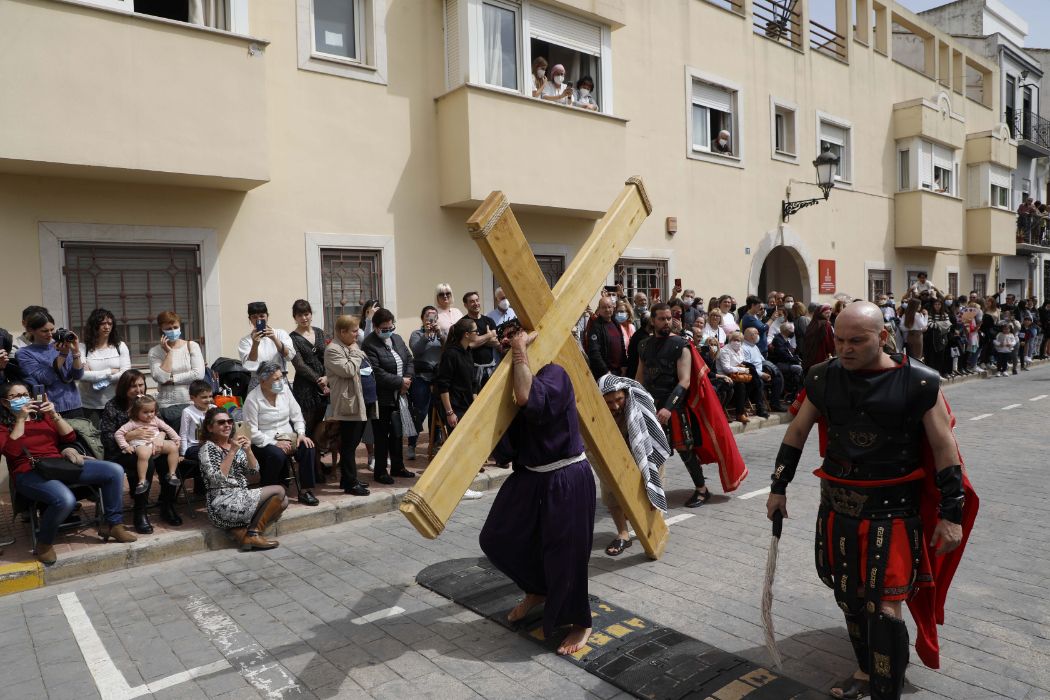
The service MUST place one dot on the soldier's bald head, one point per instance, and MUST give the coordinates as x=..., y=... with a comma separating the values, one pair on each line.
x=860, y=315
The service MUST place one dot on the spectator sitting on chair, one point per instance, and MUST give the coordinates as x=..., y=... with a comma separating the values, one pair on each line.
x=263, y=344
x=752, y=318
x=391, y=363
x=174, y=363
x=353, y=398
x=731, y=362
x=50, y=435
x=201, y=400
x=279, y=432
x=54, y=366
x=130, y=386
x=725, y=386
x=106, y=357
x=764, y=373
x=784, y=355
x=225, y=463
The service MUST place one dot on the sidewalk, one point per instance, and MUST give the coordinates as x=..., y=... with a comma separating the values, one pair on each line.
x=81, y=553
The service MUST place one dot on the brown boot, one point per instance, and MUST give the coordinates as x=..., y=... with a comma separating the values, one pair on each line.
x=45, y=554
x=743, y=418
x=253, y=540
x=238, y=534
x=271, y=512
x=116, y=531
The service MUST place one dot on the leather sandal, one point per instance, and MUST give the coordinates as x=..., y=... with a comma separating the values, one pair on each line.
x=617, y=546
x=851, y=689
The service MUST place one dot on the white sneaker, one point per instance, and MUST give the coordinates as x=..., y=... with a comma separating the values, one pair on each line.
x=1002, y=374
x=472, y=495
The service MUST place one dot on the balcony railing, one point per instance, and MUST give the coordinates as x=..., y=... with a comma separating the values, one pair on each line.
x=827, y=41
x=1029, y=126
x=1033, y=230
x=778, y=20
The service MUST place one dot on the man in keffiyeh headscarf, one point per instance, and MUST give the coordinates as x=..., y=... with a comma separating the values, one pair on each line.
x=635, y=413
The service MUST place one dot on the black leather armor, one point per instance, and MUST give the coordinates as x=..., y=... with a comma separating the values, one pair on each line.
x=661, y=356
x=874, y=419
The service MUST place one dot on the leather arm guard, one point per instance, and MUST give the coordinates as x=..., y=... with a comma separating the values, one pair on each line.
x=677, y=398
x=784, y=468
x=950, y=484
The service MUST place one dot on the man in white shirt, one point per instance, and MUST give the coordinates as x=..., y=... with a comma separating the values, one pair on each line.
x=263, y=344
x=765, y=372
x=503, y=311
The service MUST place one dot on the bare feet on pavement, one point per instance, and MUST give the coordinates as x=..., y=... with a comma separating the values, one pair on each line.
x=522, y=609
x=574, y=640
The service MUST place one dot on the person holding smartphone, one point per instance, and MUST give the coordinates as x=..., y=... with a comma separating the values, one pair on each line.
x=263, y=344
x=174, y=362
x=53, y=360
x=425, y=343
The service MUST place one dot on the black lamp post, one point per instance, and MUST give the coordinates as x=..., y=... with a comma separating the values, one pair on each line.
x=826, y=164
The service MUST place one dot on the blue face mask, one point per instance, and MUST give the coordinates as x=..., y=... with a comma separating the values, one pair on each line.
x=278, y=387
x=18, y=404
x=385, y=334
x=173, y=334
x=621, y=317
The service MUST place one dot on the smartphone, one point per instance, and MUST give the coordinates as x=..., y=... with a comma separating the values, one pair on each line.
x=260, y=325
x=242, y=428
x=654, y=293
x=611, y=288
x=678, y=281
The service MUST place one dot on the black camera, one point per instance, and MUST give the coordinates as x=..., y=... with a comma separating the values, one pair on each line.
x=63, y=335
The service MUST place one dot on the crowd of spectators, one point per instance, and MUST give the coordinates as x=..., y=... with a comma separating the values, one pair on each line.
x=373, y=387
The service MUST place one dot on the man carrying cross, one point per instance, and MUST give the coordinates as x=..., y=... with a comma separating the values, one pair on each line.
x=540, y=528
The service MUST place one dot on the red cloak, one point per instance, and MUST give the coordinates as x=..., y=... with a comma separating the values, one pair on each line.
x=927, y=603
x=718, y=444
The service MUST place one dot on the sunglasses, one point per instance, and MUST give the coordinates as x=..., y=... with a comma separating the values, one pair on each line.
x=222, y=421
x=444, y=294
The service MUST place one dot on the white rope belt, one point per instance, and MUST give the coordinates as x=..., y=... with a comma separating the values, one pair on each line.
x=560, y=464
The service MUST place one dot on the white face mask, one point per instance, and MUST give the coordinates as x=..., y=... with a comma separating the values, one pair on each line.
x=722, y=142
x=585, y=92
x=277, y=387
x=503, y=304
x=687, y=300
x=559, y=79
x=735, y=344
x=540, y=72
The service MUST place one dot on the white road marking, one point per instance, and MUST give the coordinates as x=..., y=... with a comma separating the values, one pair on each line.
x=378, y=615
x=1011, y=407
x=1038, y=398
x=981, y=417
x=109, y=681
x=752, y=494
x=256, y=664
x=679, y=518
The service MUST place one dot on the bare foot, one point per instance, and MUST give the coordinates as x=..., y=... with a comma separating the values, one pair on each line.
x=574, y=640
x=522, y=609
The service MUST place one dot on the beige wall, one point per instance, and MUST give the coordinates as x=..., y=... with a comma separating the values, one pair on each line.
x=351, y=157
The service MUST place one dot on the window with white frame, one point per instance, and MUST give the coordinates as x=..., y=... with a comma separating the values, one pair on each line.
x=999, y=187
x=837, y=137
x=349, y=278
x=904, y=169
x=784, y=135
x=217, y=14
x=345, y=38
x=944, y=169
x=499, y=21
x=926, y=165
x=641, y=275
x=714, y=111
x=566, y=40
x=337, y=29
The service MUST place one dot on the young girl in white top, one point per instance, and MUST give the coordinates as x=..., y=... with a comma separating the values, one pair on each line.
x=1005, y=343
x=143, y=414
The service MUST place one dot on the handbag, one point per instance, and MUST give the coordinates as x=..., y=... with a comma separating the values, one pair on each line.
x=740, y=377
x=55, y=468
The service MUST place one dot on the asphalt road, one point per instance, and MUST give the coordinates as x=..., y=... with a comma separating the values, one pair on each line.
x=336, y=613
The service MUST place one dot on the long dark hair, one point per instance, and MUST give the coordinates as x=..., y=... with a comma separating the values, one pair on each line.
x=120, y=399
x=209, y=421
x=457, y=331
x=6, y=417
x=909, y=313
x=91, y=329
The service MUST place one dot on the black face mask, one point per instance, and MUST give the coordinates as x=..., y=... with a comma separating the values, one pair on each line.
x=664, y=332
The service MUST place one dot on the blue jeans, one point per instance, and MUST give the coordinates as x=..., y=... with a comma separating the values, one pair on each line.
x=419, y=399
x=60, y=500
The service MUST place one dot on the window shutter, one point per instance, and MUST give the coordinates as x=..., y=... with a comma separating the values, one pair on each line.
x=943, y=158
x=712, y=96
x=571, y=32
x=453, y=71
x=1000, y=177
x=926, y=163
x=832, y=133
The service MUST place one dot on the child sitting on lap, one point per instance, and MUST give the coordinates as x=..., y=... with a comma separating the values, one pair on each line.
x=143, y=414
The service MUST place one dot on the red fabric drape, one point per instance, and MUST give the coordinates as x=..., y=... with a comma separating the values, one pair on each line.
x=718, y=444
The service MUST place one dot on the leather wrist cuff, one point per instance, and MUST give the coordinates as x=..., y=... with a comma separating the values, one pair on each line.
x=676, y=399
x=950, y=483
x=784, y=468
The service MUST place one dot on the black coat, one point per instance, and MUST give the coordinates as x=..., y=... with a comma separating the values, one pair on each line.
x=388, y=381
x=597, y=343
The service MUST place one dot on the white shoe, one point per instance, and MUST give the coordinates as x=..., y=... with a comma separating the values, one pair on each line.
x=472, y=495
x=1002, y=374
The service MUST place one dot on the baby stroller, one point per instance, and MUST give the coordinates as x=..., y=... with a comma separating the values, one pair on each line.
x=231, y=373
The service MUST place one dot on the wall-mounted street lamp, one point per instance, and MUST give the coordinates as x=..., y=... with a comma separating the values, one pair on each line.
x=826, y=165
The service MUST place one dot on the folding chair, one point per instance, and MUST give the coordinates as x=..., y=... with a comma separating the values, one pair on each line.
x=187, y=469
x=81, y=492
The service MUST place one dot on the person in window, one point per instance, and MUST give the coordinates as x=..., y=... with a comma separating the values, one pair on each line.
x=722, y=144
x=555, y=89
x=391, y=363
x=263, y=344
x=49, y=435
x=174, y=363
x=310, y=387
x=279, y=432
x=539, y=76
x=106, y=357
x=583, y=96
x=52, y=368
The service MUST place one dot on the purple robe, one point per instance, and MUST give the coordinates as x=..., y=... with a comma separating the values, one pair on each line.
x=540, y=528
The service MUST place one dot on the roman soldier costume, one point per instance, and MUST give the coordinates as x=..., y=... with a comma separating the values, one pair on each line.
x=880, y=501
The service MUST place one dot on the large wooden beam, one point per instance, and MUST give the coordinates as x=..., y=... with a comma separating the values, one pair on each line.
x=435, y=496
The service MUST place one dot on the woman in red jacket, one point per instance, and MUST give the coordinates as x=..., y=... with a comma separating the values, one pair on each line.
x=28, y=427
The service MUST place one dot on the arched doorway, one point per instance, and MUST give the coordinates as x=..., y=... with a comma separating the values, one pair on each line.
x=782, y=271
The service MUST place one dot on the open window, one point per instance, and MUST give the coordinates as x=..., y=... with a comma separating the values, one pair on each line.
x=714, y=111
x=206, y=13
x=837, y=136
x=569, y=41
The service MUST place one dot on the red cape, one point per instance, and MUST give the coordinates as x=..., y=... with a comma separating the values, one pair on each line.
x=718, y=444
x=927, y=604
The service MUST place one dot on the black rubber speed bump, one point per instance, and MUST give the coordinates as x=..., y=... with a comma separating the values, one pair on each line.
x=629, y=651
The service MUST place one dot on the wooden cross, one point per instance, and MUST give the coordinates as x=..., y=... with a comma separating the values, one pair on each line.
x=429, y=504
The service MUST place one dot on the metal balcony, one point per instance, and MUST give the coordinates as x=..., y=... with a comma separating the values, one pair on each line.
x=1031, y=131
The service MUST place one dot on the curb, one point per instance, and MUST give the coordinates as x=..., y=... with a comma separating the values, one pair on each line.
x=151, y=549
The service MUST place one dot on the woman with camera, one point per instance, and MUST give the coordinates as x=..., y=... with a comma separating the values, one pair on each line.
x=51, y=364
x=34, y=430
x=174, y=362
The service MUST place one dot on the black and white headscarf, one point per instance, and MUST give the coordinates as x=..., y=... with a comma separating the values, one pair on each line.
x=645, y=435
